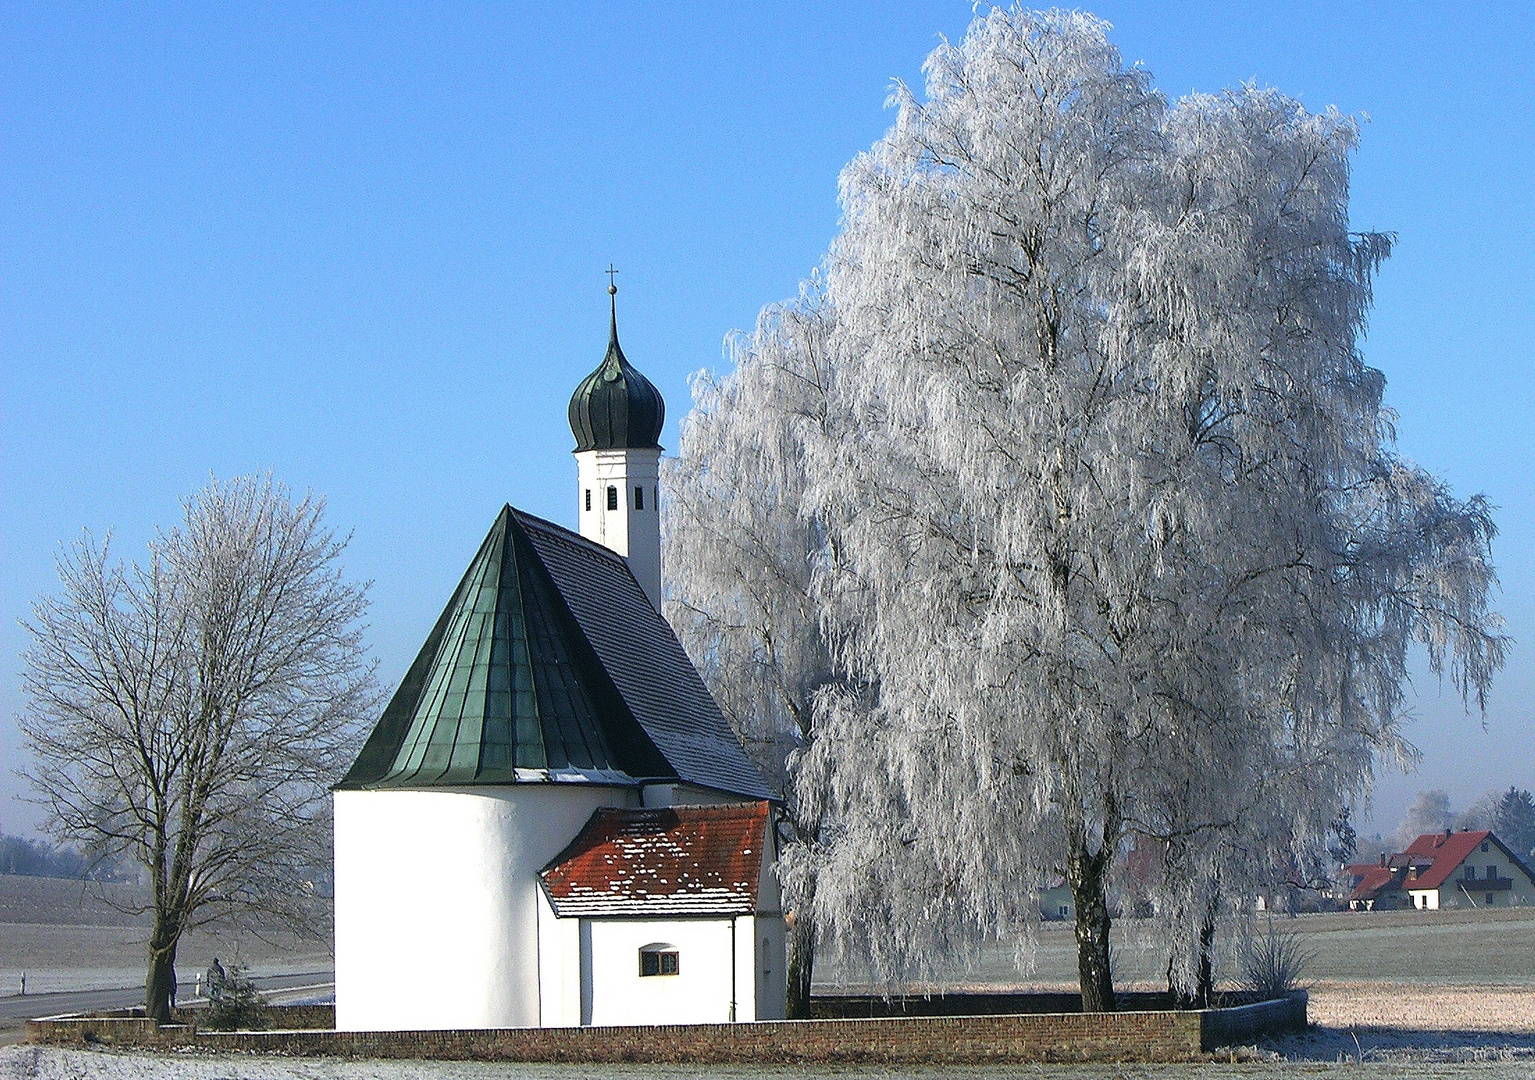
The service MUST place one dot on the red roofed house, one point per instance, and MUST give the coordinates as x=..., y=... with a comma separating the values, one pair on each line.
x=668, y=915
x=1470, y=869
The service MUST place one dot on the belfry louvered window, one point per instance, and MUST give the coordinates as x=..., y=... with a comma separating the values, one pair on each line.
x=612, y=498
x=639, y=498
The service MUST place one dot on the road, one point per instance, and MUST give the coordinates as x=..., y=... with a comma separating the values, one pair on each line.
x=15, y=1009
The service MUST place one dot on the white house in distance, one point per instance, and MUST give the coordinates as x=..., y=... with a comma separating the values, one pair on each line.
x=1469, y=869
x=552, y=823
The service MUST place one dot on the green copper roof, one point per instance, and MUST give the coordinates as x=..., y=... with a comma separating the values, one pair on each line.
x=506, y=689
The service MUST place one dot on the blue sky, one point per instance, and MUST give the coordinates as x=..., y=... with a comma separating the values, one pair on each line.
x=361, y=246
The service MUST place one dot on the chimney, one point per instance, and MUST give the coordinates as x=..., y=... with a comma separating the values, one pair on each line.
x=1383, y=858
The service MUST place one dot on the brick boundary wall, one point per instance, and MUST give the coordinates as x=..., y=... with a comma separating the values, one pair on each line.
x=928, y=1040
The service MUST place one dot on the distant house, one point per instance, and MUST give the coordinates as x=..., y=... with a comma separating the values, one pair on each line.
x=1470, y=869
x=1056, y=902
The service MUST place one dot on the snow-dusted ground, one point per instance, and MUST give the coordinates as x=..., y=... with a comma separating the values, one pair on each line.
x=65, y=958
x=34, y=1063
x=73, y=935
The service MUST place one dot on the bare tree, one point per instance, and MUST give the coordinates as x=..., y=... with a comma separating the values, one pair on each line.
x=189, y=713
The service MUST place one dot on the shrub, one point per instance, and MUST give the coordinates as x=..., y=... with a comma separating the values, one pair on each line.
x=239, y=1006
x=1273, y=962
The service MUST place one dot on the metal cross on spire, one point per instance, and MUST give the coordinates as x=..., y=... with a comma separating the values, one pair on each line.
x=612, y=272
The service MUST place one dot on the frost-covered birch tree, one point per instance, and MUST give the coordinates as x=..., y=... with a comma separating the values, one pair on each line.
x=1121, y=536
x=189, y=713
x=741, y=557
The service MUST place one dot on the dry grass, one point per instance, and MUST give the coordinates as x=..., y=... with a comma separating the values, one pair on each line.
x=71, y=935
x=1418, y=1007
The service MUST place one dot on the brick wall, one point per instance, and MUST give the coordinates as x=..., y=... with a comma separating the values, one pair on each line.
x=909, y=1040
x=1246, y=1023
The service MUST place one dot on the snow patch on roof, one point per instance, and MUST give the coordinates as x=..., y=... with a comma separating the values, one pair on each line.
x=679, y=860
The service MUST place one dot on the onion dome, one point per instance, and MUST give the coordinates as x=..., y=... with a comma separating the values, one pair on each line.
x=615, y=407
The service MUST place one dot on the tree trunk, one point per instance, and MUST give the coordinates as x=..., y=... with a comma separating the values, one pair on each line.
x=1094, y=970
x=1088, y=876
x=1203, y=992
x=1205, y=987
x=801, y=967
x=160, y=986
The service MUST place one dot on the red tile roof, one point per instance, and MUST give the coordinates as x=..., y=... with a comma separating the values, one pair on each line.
x=1435, y=856
x=680, y=860
x=1446, y=853
x=1373, y=878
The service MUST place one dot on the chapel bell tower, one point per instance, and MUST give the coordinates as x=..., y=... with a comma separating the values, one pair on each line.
x=616, y=415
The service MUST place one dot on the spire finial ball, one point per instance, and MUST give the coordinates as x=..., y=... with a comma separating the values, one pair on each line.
x=612, y=290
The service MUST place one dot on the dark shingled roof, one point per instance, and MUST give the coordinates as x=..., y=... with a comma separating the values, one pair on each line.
x=615, y=407
x=550, y=664
x=680, y=860
x=642, y=655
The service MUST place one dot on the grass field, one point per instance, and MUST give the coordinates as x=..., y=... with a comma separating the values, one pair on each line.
x=67, y=935
x=1465, y=948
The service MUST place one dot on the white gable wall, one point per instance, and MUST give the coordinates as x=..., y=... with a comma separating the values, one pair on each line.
x=1520, y=893
x=616, y=993
x=589, y=968
x=437, y=900
x=728, y=970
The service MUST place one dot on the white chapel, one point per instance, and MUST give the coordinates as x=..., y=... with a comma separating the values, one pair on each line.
x=552, y=823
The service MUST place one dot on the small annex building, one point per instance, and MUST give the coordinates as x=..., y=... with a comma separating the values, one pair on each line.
x=641, y=909
x=552, y=822
x=1467, y=869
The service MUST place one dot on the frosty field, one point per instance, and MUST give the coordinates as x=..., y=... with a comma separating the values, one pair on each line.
x=1449, y=994
x=29, y=1063
x=1469, y=948
x=67, y=936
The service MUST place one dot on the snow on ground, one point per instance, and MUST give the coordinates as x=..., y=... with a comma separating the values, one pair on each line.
x=39, y=1063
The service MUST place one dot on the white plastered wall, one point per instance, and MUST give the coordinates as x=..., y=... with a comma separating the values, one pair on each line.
x=772, y=983
x=653, y=796
x=589, y=968
x=769, y=945
x=634, y=533
x=436, y=901
x=712, y=975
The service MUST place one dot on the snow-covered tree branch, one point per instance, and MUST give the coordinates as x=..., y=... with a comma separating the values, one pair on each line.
x=1122, y=543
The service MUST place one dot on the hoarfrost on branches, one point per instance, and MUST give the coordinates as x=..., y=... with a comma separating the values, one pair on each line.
x=190, y=713
x=741, y=560
x=1123, y=547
